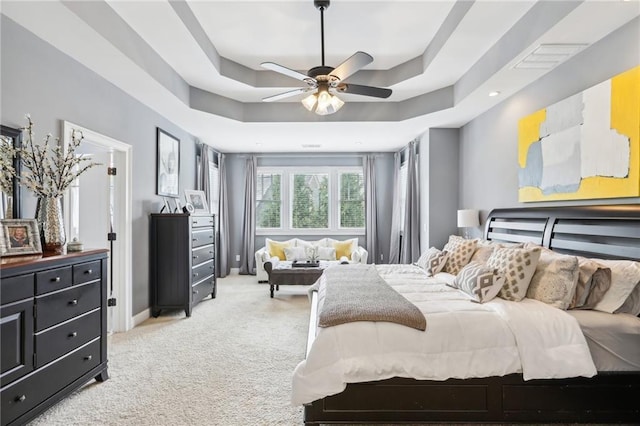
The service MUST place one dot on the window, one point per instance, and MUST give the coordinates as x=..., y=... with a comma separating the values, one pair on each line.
x=351, y=200
x=403, y=193
x=214, y=187
x=310, y=200
x=268, y=200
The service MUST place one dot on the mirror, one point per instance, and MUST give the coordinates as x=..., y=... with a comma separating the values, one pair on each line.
x=11, y=207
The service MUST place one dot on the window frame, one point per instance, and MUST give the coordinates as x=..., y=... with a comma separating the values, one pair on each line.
x=286, y=211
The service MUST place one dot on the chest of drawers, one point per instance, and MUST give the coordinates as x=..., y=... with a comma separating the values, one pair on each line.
x=182, y=256
x=53, y=321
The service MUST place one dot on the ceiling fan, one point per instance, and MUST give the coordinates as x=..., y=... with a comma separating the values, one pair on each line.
x=327, y=80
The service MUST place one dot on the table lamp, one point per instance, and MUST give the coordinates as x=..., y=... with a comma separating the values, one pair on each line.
x=468, y=218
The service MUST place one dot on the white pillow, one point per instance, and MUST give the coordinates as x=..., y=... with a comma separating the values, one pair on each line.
x=326, y=253
x=625, y=276
x=479, y=282
x=295, y=253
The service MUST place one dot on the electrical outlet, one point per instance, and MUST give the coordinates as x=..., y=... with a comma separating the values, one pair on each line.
x=237, y=258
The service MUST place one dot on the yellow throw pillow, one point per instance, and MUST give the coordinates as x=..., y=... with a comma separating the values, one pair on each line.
x=276, y=248
x=343, y=248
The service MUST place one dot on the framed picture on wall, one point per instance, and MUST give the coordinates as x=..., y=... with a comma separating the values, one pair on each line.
x=198, y=200
x=167, y=164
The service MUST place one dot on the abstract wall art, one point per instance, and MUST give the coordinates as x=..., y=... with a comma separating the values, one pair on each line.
x=584, y=147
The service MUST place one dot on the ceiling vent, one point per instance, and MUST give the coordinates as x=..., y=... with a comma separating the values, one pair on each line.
x=547, y=56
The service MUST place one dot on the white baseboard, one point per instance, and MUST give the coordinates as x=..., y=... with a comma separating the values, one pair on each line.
x=234, y=271
x=141, y=317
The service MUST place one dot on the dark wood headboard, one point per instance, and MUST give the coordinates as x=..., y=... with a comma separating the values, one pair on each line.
x=611, y=232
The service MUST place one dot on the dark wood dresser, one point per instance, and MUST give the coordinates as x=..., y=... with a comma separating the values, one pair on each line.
x=182, y=259
x=53, y=319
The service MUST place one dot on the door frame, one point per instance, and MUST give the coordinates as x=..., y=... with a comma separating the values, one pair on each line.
x=123, y=317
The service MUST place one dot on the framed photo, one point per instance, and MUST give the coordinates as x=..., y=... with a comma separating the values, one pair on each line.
x=19, y=236
x=198, y=200
x=167, y=164
x=178, y=206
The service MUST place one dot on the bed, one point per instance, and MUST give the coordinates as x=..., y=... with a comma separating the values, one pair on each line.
x=606, y=232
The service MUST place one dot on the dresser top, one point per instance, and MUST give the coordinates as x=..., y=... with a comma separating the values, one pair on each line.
x=43, y=260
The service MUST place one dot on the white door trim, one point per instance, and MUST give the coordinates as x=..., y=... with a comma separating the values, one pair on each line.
x=123, y=318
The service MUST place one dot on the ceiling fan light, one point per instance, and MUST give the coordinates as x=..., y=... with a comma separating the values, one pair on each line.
x=328, y=103
x=310, y=102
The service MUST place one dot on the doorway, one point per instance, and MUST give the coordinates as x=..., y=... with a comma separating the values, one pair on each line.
x=99, y=204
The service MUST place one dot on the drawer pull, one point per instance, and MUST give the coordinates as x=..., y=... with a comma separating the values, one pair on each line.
x=55, y=280
x=194, y=239
x=21, y=398
x=88, y=357
x=74, y=334
x=195, y=292
x=211, y=252
x=195, y=274
x=73, y=302
x=210, y=236
x=88, y=271
x=195, y=257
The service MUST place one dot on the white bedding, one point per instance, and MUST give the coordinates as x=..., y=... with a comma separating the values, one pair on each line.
x=463, y=339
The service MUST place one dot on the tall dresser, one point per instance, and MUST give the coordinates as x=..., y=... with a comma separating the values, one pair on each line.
x=53, y=320
x=182, y=256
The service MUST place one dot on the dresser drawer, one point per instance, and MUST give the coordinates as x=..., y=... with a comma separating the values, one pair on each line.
x=53, y=280
x=201, y=289
x=202, y=254
x=21, y=396
x=16, y=340
x=201, y=237
x=60, y=306
x=200, y=221
x=65, y=337
x=16, y=288
x=85, y=272
x=201, y=271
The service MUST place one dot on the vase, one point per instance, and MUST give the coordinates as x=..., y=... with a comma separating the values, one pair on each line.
x=8, y=201
x=51, y=224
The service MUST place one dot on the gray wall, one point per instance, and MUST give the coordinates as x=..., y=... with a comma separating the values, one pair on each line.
x=489, y=143
x=52, y=87
x=236, y=177
x=439, y=152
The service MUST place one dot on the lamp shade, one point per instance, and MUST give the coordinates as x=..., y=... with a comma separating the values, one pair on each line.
x=468, y=218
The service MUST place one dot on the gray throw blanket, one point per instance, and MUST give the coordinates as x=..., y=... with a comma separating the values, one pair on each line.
x=358, y=293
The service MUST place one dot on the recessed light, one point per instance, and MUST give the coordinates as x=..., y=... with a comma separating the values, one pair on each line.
x=358, y=143
x=494, y=93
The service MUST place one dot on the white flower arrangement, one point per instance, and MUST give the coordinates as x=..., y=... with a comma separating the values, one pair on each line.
x=7, y=154
x=48, y=172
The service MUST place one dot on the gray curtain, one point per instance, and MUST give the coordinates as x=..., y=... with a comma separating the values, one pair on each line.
x=224, y=267
x=247, y=254
x=410, y=250
x=371, y=207
x=394, y=249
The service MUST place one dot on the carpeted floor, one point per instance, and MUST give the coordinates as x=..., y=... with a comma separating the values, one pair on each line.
x=229, y=364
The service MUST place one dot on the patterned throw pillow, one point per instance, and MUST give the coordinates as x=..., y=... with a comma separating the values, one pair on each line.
x=460, y=251
x=326, y=253
x=594, y=280
x=479, y=282
x=432, y=260
x=555, y=279
x=518, y=266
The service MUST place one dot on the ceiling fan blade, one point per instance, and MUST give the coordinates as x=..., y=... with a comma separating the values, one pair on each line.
x=349, y=67
x=288, y=72
x=287, y=94
x=357, y=89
